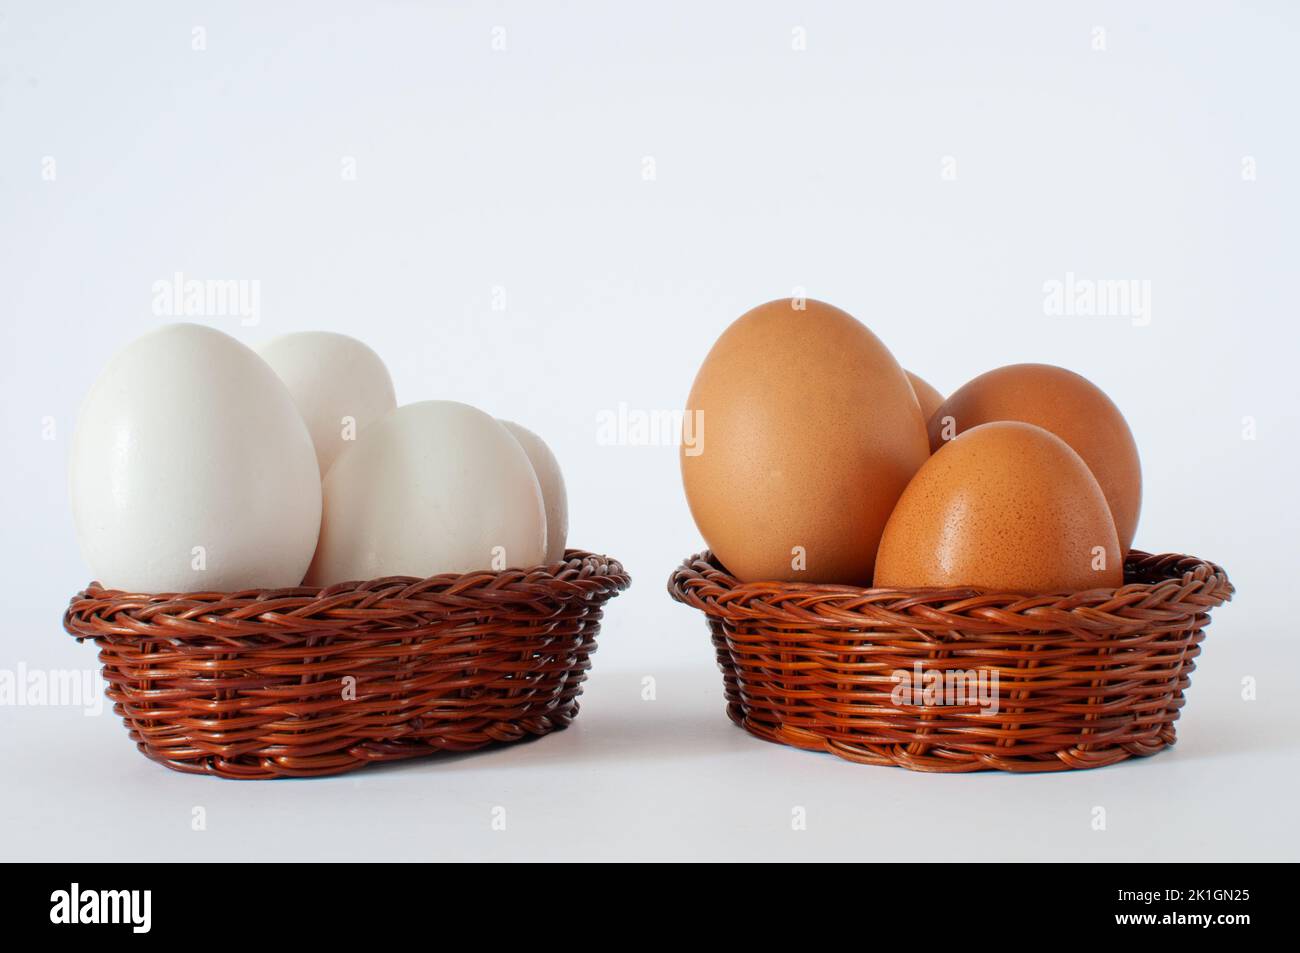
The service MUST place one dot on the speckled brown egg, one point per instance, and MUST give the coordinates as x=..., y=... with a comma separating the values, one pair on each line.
x=809, y=434
x=1070, y=406
x=926, y=395
x=1005, y=506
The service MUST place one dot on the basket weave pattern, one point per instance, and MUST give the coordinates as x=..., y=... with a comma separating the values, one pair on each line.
x=304, y=681
x=1084, y=680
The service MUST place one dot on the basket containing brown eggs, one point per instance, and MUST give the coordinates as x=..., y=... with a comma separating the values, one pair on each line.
x=300, y=578
x=938, y=584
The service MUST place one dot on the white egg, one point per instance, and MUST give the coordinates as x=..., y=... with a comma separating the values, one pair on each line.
x=551, y=480
x=340, y=386
x=434, y=487
x=192, y=470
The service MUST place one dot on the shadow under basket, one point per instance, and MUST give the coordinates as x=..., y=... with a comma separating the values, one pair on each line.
x=306, y=682
x=959, y=679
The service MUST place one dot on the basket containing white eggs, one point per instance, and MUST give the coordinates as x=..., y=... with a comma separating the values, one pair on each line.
x=297, y=577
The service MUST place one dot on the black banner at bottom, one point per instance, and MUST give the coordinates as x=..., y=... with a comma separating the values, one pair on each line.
x=333, y=901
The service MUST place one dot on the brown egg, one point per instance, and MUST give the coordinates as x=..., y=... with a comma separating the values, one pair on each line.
x=810, y=433
x=929, y=398
x=1005, y=506
x=1068, y=405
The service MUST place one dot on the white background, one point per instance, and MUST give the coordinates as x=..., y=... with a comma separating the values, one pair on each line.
x=775, y=169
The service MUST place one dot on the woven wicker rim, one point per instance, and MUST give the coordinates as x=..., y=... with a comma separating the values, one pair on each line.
x=291, y=613
x=952, y=614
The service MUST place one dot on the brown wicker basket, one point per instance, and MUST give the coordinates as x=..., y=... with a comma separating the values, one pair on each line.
x=1082, y=680
x=307, y=682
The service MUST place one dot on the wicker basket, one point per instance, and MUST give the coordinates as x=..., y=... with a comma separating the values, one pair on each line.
x=1080, y=681
x=307, y=682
